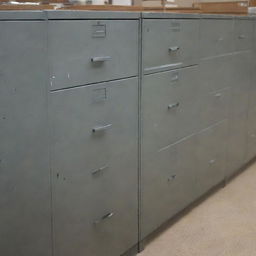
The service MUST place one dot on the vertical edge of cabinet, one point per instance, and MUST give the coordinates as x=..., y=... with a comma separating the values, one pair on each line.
x=25, y=168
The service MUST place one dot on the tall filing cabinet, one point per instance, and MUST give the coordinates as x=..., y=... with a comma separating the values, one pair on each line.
x=111, y=123
x=170, y=116
x=25, y=216
x=93, y=65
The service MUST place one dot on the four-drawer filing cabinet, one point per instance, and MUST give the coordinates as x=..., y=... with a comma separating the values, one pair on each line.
x=93, y=108
x=112, y=123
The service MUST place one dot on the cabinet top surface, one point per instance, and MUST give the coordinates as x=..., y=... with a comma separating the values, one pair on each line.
x=81, y=14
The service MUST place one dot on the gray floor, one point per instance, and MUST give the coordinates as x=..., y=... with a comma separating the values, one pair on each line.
x=223, y=225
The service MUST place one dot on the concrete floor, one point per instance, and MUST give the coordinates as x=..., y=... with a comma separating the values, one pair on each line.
x=223, y=225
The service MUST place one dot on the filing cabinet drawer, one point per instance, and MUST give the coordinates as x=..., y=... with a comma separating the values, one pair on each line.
x=170, y=102
x=94, y=124
x=168, y=183
x=169, y=44
x=93, y=210
x=94, y=149
x=243, y=34
x=216, y=73
x=90, y=51
x=215, y=107
x=216, y=37
x=211, y=152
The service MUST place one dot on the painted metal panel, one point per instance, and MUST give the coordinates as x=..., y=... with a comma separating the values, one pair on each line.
x=216, y=73
x=25, y=217
x=169, y=43
x=216, y=37
x=91, y=51
x=211, y=153
x=95, y=172
x=243, y=35
x=215, y=107
x=170, y=107
x=237, y=143
x=251, y=136
x=238, y=128
x=168, y=183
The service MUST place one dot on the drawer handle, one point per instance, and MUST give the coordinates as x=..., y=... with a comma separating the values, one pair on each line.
x=175, y=78
x=101, y=128
x=218, y=95
x=241, y=36
x=105, y=217
x=175, y=105
x=220, y=39
x=213, y=161
x=253, y=135
x=174, y=49
x=100, y=59
x=172, y=178
x=99, y=170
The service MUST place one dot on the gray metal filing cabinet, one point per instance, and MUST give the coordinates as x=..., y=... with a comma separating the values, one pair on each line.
x=194, y=109
x=94, y=132
x=25, y=215
x=111, y=123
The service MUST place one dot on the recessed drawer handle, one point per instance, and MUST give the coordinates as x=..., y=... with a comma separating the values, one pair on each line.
x=220, y=39
x=105, y=217
x=213, y=161
x=101, y=128
x=174, y=49
x=218, y=95
x=101, y=59
x=175, y=105
x=241, y=36
x=175, y=78
x=99, y=170
x=172, y=178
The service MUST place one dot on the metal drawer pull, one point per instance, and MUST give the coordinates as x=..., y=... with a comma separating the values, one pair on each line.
x=174, y=49
x=175, y=78
x=218, y=95
x=175, y=105
x=212, y=161
x=99, y=170
x=100, y=59
x=101, y=128
x=172, y=178
x=241, y=36
x=105, y=217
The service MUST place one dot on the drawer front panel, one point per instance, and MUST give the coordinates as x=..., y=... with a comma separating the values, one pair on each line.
x=169, y=107
x=90, y=51
x=215, y=107
x=94, y=136
x=216, y=73
x=243, y=35
x=211, y=155
x=216, y=37
x=168, y=183
x=168, y=44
